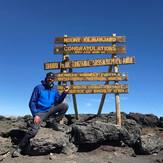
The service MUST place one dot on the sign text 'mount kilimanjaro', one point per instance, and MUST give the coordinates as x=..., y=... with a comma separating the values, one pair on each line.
x=89, y=49
x=89, y=63
x=91, y=89
x=91, y=39
x=91, y=76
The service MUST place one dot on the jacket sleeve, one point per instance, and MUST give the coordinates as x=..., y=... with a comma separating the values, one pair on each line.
x=60, y=97
x=33, y=101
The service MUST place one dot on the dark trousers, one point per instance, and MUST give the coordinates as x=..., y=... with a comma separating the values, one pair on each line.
x=58, y=111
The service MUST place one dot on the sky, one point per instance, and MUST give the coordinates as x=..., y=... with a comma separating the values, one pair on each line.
x=27, y=32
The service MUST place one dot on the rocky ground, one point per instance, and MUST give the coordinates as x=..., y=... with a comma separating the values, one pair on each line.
x=91, y=139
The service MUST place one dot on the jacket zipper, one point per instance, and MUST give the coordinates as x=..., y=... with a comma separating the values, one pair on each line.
x=49, y=94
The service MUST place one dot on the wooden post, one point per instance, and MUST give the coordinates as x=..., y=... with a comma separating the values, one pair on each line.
x=66, y=57
x=117, y=102
x=74, y=100
x=117, y=97
x=118, y=113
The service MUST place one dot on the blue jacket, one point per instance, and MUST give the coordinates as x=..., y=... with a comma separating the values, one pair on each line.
x=43, y=98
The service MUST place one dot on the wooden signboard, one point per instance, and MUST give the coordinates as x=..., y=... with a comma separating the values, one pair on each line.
x=91, y=39
x=89, y=63
x=91, y=76
x=73, y=45
x=89, y=49
x=93, y=89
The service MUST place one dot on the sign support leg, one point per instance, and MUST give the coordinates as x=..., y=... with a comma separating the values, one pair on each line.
x=103, y=96
x=118, y=113
x=74, y=100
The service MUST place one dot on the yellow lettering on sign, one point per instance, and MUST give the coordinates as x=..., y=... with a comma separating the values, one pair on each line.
x=88, y=49
x=99, y=39
x=88, y=63
x=90, y=39
x=73, y=39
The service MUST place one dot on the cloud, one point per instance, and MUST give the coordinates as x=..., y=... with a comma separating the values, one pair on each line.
x=88, y=104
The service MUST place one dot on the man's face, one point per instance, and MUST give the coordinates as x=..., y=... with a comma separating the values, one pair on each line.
x=50, y=80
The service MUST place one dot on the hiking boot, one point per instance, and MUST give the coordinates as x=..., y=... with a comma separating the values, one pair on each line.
x=58, y=127
x=16, y=153
x=43, y=124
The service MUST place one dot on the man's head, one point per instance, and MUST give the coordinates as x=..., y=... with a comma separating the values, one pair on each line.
x=49, y=79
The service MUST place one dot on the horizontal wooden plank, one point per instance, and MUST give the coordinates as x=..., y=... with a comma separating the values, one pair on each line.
x=90, y=39
x=91, y=89
x=97, y=86
x=89, y=49
x=98, y=91
x=89, y=63
x=91, y=76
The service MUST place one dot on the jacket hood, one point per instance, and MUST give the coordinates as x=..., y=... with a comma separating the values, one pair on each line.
x=46, y=85
x=43, y=82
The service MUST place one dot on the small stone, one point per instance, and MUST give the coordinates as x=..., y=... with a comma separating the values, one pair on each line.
x=158, y=161
x=115, y=153
x=52, y=156
x=1, y=158
x=16, y=153
x=133, y=155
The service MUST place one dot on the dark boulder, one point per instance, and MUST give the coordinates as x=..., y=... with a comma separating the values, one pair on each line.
x=134, y=132
x=149, y=120
x=161, y=122
x=89, y=135
x=150, y=143
x=49, y=141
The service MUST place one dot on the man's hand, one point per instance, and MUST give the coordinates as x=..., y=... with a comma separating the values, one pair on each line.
x=37, y=120
x=66, y=88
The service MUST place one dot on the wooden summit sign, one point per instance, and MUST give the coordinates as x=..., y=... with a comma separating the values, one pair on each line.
x=89, y=49
x=113, y=75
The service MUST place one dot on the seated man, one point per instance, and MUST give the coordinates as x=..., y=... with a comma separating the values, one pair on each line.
x=45, y=101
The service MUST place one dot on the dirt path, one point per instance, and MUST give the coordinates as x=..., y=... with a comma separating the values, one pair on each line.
x=98, y=156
